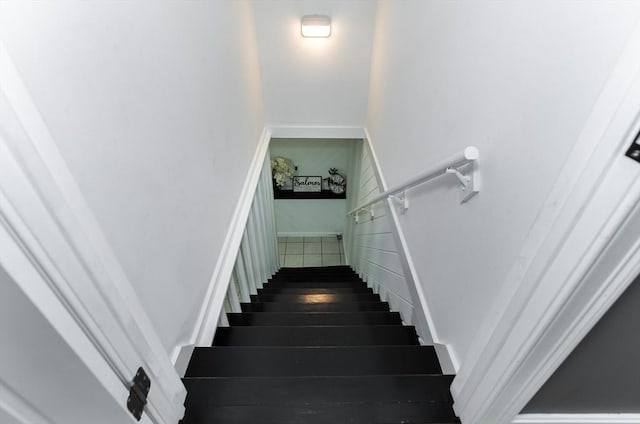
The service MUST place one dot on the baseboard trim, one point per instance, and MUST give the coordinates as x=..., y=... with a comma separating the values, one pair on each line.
x=577, y=419
x=307, y=234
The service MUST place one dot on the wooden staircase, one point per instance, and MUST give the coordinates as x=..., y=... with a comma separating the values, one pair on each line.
x=316, y=345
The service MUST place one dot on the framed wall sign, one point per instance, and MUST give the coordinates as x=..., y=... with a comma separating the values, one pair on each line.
x=307, y=184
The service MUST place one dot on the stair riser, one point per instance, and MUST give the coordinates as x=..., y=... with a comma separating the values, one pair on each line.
x=321, y=318
x=322, y=307
x=292, y=390
x=315, y=336
x=316, y=285
x=316, y=298
x=312, y=361
x=298, y=290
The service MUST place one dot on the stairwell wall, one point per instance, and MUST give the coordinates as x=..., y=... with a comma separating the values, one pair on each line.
x=156, y=107
x=372, y=250
x=518, y=80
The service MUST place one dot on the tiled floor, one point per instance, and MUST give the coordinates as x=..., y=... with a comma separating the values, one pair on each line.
x=310, y=251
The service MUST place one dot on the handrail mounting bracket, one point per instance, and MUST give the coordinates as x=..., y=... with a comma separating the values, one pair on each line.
x=469, y=183
x=401, y=200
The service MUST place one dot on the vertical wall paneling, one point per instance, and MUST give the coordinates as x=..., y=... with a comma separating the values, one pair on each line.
x=247, y=263
x=371, y=246
x=243, y=281
x=270, y=209
x=232, y=294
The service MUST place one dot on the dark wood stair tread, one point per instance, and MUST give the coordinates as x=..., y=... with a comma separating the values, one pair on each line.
x=314, y=318
x=228, y=361
x=317, y=307
x=316, y=336
x=287, y=391
x=314, y=298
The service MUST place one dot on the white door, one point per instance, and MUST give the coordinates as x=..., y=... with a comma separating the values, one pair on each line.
x=72, y=330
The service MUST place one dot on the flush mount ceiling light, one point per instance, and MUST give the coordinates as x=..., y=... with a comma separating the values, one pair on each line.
x=314, y=26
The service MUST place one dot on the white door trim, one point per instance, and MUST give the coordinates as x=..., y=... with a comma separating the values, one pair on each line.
x=49, y=220
x=311, y=131
x=574, y=264
x=577, y=419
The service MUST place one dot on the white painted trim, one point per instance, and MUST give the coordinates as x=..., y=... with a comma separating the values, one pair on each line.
x=214, y=298
x=577, y=419
x=551, y=299
x=302, y=131
x=307, y=234
x=49, y=219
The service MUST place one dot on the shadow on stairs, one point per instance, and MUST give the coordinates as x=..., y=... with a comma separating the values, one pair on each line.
x=316, y=345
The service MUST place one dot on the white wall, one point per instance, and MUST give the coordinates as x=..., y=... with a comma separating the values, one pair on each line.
x=315, y=81
x=313, y=157
x=156, y=107
x=516, y=79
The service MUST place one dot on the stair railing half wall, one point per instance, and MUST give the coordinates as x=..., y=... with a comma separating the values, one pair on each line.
x=249, y=255
x=257, y=258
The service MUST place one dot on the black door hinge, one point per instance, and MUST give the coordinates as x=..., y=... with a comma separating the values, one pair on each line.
x=634, y=150
x=138, y=392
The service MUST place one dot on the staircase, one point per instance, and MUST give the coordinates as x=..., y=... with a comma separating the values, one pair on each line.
x=316, y=345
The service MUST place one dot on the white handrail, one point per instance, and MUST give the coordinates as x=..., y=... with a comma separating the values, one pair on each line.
x=447, y=166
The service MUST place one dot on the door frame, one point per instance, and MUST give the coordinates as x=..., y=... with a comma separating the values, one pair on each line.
x=578, y=258
x=53, y=230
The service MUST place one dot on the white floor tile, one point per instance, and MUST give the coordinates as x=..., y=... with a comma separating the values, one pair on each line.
x=293, y=260
x=312, y=248
x=312, y=260
x=295, y=248
x=328, y=260
x=331, y=248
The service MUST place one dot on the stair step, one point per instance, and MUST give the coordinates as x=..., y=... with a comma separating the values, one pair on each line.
x=315, y=277
x=288, y=391
x=316, y=298
x=318, y=307
x=316, y=336
x=311, y=290
x=315, y=284
x=339, y=412
x=319, y=269
x=312, y=361
x=314, y=318
x=311, y=400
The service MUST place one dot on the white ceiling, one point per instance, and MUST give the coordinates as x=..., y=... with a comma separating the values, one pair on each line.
x=316, y=82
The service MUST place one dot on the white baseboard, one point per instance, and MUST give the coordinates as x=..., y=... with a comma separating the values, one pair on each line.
x=447, y=359
x=182, y=358
x=308, y=234
x=577, y=419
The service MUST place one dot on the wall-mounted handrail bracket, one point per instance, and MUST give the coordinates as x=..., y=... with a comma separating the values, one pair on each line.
x=468, y=180
x=462, y=165
x=402, y=200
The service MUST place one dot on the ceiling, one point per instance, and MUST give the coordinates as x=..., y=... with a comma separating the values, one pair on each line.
x=315, y=82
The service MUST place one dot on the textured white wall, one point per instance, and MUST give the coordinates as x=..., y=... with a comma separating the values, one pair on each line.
x=315, y=81
x=156, y=107
x=516, y=79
